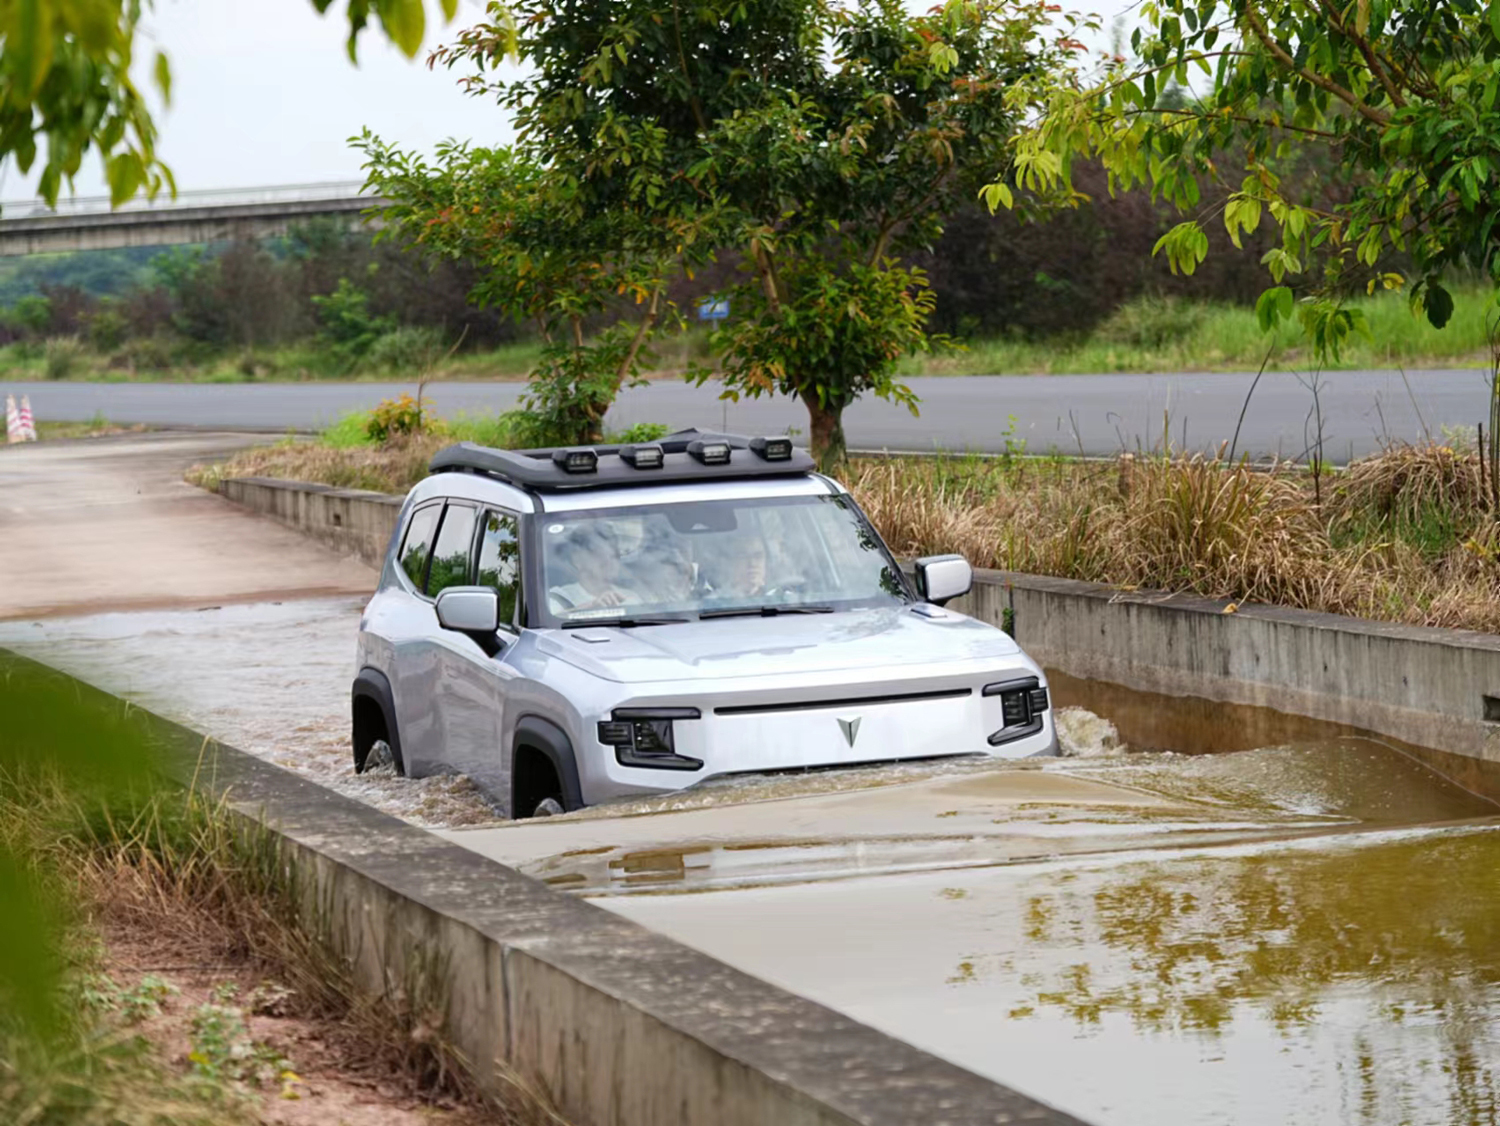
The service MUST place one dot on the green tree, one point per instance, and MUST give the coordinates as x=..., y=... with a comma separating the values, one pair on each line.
x=593, y=283
x=815, y=142
x=66, y=85
x=1403, y=90
x=834, y=179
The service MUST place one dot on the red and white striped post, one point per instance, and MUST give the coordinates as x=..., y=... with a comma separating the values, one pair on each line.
x=28, y=425
x=13, y=431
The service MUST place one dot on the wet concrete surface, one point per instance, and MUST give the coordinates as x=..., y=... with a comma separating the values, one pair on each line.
x=95, y=525
x=1307, y=933
x=269, y=678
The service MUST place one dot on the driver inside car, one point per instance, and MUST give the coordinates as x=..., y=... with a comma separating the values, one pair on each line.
x=595, y=563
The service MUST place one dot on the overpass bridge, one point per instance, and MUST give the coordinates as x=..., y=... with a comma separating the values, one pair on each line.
x=90, y=223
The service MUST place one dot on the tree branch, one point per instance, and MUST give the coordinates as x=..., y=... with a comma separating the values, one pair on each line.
x=647, y=323
x=693, y=101
x=766, y=268
x=1370, y=113
x=1336, y=20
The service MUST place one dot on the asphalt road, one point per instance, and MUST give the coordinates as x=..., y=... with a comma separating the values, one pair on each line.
x=1094, y=414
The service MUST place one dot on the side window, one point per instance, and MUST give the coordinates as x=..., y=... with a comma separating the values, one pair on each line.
x=450, y=556
x=500, y=561
x=418, y=543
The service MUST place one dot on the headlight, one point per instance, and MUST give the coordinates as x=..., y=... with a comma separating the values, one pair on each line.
x=1023, y=704
x=643, y=737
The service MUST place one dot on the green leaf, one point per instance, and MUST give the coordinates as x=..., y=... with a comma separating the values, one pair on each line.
x=163, y=75
x=1273, y=307
x=1439, y=305
x=1495, y=18
x=404, y=21
x=29, y=45
x=995, y=196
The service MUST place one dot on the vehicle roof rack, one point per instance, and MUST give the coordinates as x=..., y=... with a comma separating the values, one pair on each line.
x=683, y=459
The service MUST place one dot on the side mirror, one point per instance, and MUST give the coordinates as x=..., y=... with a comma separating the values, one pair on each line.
x=941, y=577
x=469, y=609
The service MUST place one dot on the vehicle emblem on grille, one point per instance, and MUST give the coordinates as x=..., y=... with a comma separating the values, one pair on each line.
x=850, y=728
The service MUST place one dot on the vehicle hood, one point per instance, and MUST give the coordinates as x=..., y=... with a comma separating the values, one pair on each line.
x=777, y=646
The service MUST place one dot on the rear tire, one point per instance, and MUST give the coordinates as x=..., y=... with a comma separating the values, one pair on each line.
x=548, y=807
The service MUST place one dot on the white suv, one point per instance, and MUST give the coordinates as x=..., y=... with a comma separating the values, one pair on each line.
x=572, y=626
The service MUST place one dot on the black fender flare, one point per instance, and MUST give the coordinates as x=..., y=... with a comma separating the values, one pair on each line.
x=545, y=736
x=372, y=684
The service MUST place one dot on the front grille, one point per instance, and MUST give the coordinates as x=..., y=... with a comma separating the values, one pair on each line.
x=843, y=702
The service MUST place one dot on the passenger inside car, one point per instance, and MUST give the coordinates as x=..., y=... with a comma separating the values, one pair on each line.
x=739, y=570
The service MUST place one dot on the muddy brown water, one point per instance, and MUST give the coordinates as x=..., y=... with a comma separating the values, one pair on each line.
x=1300, y=933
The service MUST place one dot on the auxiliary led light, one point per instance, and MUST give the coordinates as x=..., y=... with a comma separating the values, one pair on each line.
x=643, y=457
x=582, y=460
x=772, y=449
x=710, y=453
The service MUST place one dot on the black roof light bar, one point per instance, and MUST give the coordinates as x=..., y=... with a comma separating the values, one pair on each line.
x=688, y=455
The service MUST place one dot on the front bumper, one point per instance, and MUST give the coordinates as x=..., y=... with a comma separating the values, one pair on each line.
x=797, y=727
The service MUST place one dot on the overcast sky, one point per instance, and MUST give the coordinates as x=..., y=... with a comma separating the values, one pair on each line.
x=263, y=94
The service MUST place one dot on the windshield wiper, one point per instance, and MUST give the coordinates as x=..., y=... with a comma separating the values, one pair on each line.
x=584, y=623
x=765, y=611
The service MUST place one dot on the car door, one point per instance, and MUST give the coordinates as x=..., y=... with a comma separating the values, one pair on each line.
x=465, y=734
x=406, y=622
x=499, y=567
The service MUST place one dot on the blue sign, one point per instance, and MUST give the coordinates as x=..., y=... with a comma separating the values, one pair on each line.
x=713, y=308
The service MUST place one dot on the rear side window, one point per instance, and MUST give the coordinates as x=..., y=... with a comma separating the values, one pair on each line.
x=500, y=561
x=450, y=558
x=418, y=543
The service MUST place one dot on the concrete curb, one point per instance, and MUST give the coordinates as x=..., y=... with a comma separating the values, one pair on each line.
x=620, y=1025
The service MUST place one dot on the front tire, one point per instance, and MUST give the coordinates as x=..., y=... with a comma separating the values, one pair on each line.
x=548, y=807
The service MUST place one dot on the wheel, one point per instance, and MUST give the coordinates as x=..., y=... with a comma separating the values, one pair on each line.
x=548, y=807
x=380, y=757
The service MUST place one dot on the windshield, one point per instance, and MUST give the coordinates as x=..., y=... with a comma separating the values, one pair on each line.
x=669, y=561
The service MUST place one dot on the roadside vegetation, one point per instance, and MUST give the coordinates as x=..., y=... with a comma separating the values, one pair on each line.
x=1407, y=535
x=96, y=427
x=153, y=971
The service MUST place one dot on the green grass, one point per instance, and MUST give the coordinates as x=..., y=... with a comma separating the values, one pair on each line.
x=1154, y=335
x=1145, y=335
x=294, y=363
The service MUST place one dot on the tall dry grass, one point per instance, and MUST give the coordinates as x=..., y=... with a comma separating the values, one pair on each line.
x=1405, y=536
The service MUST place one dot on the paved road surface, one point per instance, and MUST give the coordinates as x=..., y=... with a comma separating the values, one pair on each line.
x=1099, y=414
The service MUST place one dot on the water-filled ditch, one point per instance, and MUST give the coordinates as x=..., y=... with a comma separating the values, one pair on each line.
x=1300, y=933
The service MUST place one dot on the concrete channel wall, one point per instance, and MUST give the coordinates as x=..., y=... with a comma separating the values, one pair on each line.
x=351, y=521
x=1244, y=670
x=1237, y=675
x=619, y=1026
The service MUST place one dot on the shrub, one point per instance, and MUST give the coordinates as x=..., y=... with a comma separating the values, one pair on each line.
x=63, y=356
x=106, y=329
x=394, y=418
x=406, y=350
x=145, y=354
x=640, y=432
x=1153, y=322
x=345, y=319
